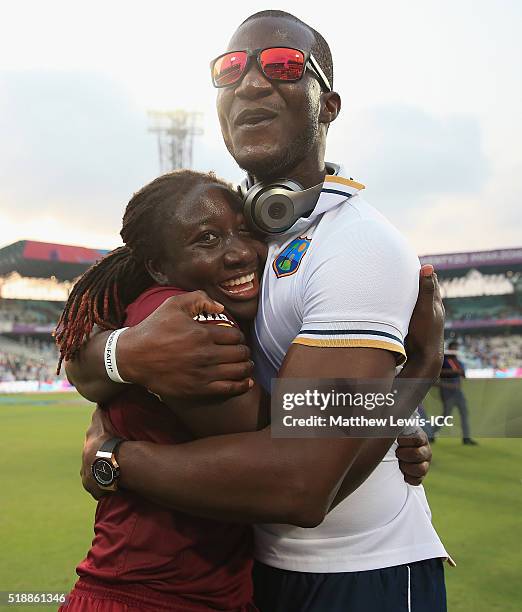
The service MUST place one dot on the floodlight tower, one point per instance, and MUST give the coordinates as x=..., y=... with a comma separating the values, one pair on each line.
x=175, y=131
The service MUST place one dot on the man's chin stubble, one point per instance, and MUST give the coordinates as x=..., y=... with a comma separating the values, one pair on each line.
x=281, y=163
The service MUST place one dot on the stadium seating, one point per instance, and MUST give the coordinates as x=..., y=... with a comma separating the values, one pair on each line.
x=497, y=352
x=474, y=283
x=482, y=294
x=38, y=312
x=28, y=358
x=484, y=307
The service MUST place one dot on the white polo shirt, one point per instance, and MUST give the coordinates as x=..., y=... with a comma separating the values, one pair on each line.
x=344, y=276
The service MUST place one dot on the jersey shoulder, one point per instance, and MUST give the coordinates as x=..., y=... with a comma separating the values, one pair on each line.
x=356, y=229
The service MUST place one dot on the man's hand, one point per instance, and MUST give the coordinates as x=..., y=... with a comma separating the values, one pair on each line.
x=414, y=454
x=425, y=339
x=174, y=356
x=99, y=431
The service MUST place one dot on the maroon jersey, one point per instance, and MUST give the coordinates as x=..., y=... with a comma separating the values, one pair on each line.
x=156, y=554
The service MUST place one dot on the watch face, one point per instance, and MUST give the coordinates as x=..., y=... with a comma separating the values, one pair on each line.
x=103, y=472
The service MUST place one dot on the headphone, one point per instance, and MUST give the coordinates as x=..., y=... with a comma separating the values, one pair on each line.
x=272, y=208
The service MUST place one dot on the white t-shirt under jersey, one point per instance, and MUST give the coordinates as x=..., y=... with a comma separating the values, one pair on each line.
x=344, y=276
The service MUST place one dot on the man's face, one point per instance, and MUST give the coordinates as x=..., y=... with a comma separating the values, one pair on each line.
x=270, y=126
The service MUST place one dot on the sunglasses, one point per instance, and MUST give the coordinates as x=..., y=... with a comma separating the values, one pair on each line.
x=276, y=63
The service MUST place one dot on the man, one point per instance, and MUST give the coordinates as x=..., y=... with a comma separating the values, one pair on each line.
x=451, y=393
x=337, y=307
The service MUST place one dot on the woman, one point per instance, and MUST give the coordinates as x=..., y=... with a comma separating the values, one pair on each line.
x=183, y=231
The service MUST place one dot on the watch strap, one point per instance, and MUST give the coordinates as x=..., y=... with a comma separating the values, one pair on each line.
x=108, y=448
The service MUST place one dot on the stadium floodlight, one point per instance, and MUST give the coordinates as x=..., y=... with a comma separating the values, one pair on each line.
x=175, y=131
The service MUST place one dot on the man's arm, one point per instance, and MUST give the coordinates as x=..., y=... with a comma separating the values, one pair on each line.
x=218, y=416
x=170, y=354
x=238, y=477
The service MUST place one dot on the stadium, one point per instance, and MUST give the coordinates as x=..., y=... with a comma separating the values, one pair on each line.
x=482, y=294
x=51, y=519
x=35, y=280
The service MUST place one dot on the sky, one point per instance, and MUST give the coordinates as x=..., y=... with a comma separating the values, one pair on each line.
x=431, y=117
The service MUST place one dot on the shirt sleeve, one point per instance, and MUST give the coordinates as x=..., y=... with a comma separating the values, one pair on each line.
x=360, y=289
x=145, y=304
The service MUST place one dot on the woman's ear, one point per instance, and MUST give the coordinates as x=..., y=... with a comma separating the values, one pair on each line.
x=155, y=273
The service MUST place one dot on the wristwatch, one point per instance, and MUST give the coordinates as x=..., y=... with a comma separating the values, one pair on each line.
x=105, y=468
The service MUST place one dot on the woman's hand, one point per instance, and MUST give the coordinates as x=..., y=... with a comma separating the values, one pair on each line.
x=425, y=351
x=425, y=340
x=414, y=455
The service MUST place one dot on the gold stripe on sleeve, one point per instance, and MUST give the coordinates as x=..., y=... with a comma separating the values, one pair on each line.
x=346, y=343
x=343, y=181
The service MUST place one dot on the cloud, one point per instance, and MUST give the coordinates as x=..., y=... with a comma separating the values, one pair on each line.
x=76, y=146
x=430, y=176
x=75, y=149
x=403, y=153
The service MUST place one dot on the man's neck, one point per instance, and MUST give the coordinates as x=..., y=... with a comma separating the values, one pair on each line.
x=307, y=173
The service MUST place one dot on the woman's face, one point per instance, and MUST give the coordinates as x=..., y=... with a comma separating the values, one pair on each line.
x=206, y=245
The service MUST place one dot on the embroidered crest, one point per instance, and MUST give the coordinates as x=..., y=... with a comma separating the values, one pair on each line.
x=289, y=260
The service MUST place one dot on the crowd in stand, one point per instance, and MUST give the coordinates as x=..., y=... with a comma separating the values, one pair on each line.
x=507, y=312
x=34, y=357
x=28, y=359
x=497, y=352
x=15, y=367
x=29, y=312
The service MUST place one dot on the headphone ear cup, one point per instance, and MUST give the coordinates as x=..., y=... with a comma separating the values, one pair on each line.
x=273, y=208
x=268, y=208
x=249, y=206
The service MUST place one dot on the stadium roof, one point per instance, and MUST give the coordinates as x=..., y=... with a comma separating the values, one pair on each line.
x=44, y=259
x=487, y=262
x=66, y=262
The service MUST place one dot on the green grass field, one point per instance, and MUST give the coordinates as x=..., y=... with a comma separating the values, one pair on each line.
x=46, y=518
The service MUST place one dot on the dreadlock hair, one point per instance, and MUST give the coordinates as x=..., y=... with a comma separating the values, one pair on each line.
x=101, y=295
x=320, y=48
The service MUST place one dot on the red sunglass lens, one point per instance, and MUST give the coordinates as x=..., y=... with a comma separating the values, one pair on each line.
x=282, y=64
x=228, y=68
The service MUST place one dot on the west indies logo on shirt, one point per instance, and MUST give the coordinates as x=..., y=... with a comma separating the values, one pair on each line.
x=289, y=260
